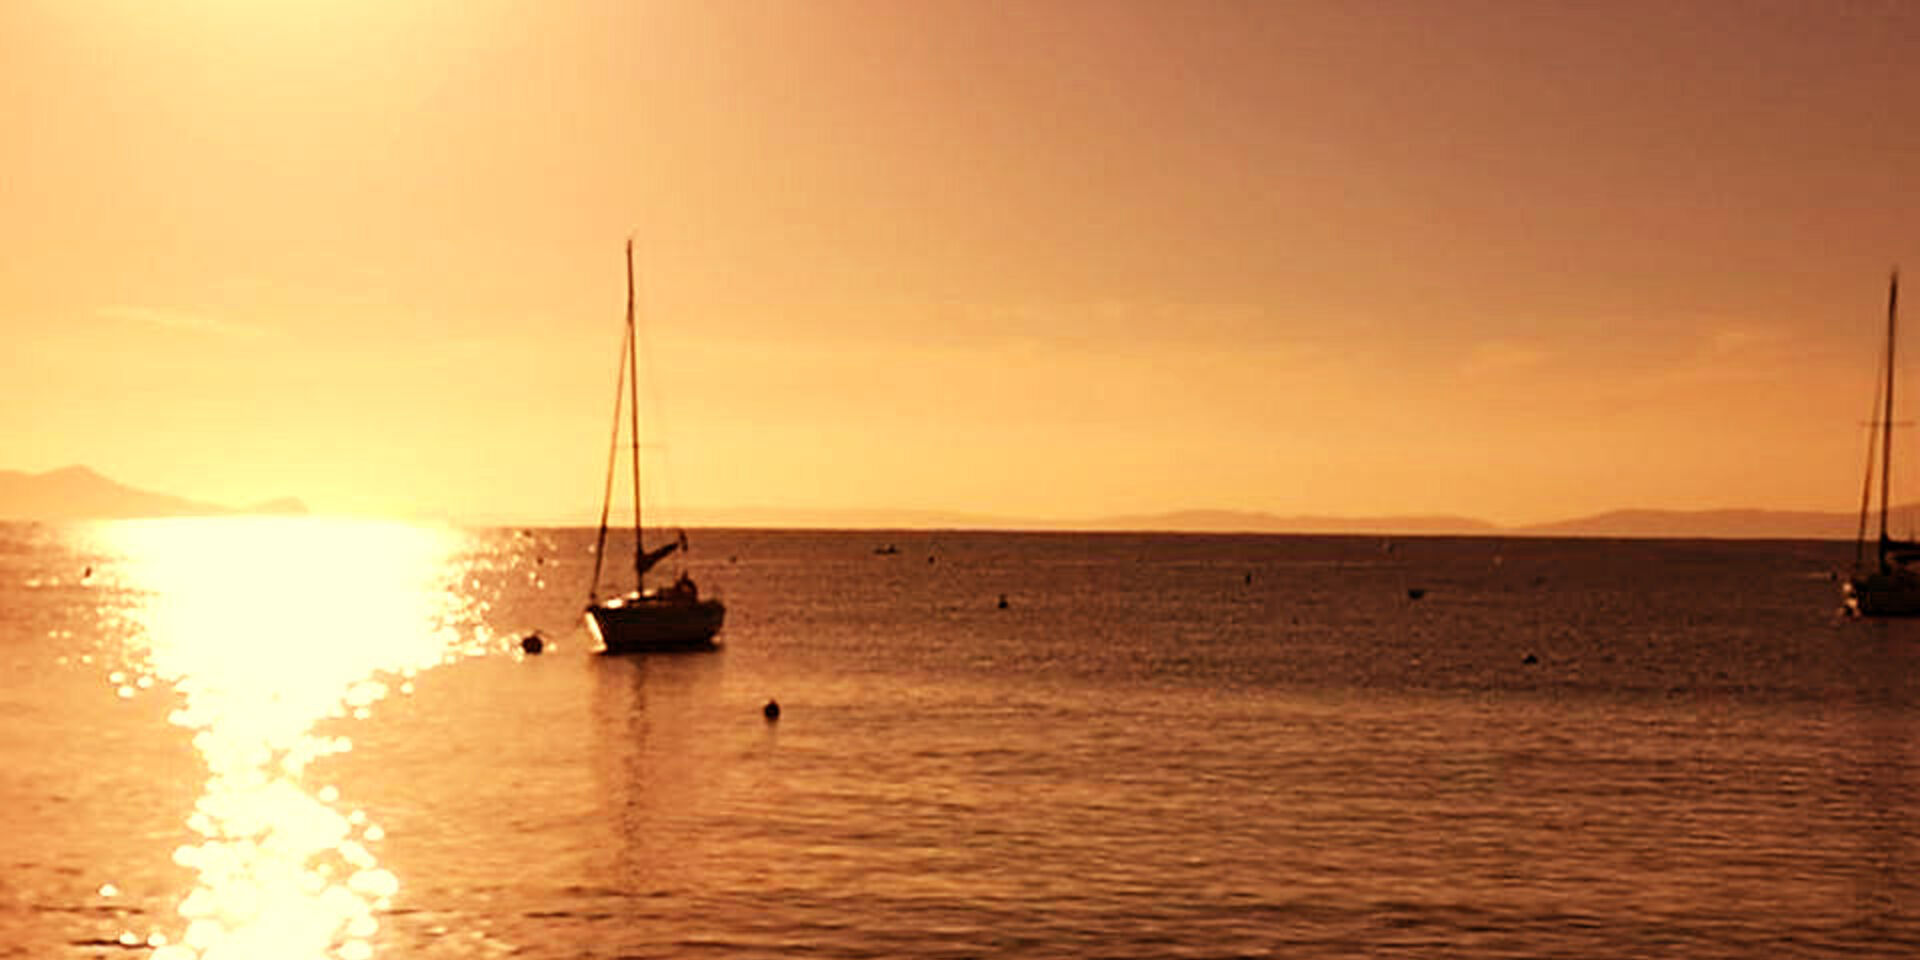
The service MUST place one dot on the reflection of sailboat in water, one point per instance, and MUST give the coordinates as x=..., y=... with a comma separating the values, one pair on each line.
x=1891, y=588
x=672, y=618
x=659, y=769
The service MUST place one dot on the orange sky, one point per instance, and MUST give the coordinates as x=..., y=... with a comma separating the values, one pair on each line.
x=1514, y=260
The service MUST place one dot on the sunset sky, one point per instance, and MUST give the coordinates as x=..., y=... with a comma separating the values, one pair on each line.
x=1049, y=259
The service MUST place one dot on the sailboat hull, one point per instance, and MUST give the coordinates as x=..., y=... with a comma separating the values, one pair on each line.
x=1895, y=594
x=655, y=624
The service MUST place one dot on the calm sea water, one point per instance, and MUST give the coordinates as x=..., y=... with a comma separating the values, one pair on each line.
x=283, y=738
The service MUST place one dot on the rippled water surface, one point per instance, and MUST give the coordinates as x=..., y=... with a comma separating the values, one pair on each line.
x=305, y=738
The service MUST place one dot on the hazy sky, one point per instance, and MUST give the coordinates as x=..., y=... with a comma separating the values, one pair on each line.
x=1517, y=260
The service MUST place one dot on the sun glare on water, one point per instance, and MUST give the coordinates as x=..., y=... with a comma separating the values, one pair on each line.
x=265, y=627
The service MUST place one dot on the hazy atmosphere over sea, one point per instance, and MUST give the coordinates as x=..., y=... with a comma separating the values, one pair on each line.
x=1513, y=261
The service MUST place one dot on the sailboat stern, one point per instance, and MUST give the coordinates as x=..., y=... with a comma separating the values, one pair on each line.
x=1895, y=593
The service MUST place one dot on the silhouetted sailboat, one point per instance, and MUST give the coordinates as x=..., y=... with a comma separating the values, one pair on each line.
x=1891, y=587
x=672, y=618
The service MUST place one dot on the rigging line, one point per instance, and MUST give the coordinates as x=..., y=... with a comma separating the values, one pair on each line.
x=1866, y=484
x=633, y=385
x=613, y=460
x=1886, y=427
x=666, y=495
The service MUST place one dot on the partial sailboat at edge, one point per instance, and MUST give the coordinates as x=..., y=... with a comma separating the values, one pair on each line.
x=675, y=617
x=1890, y=587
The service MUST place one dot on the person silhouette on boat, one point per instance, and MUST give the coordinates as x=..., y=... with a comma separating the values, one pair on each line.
x=683, y=587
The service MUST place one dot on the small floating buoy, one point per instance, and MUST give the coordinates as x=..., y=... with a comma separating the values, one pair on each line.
x=533, y=643
x=1003, y=601
x=1415, y=593
x=1529, y=659
x=771, y=711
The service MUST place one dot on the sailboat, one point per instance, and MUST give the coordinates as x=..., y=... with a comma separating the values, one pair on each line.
x=675, y=617
x=1891, y=586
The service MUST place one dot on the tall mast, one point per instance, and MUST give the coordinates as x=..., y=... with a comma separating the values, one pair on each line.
x=632, y=383
x=1886, y=419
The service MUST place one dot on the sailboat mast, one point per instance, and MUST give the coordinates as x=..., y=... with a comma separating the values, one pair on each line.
x=1886, y=419
x=633, y=385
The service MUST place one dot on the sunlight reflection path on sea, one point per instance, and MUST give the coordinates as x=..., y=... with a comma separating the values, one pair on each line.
x=265, y=627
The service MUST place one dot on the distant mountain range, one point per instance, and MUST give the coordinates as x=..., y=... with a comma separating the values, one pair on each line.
x=77, y=493
x=1243, y=521
x=1677, y=524
x=1184, y=521
x=1724, y=524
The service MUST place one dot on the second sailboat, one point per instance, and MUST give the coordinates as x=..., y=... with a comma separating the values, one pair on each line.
x=1891, y=586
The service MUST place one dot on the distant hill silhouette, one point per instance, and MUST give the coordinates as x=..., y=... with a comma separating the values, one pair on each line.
x=1725, y=524
x=1243, y=521
x=1184, y=521
x=1673, y=524
x=78, y=493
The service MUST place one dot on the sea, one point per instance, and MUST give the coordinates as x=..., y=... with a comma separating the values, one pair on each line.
x=263, y=738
